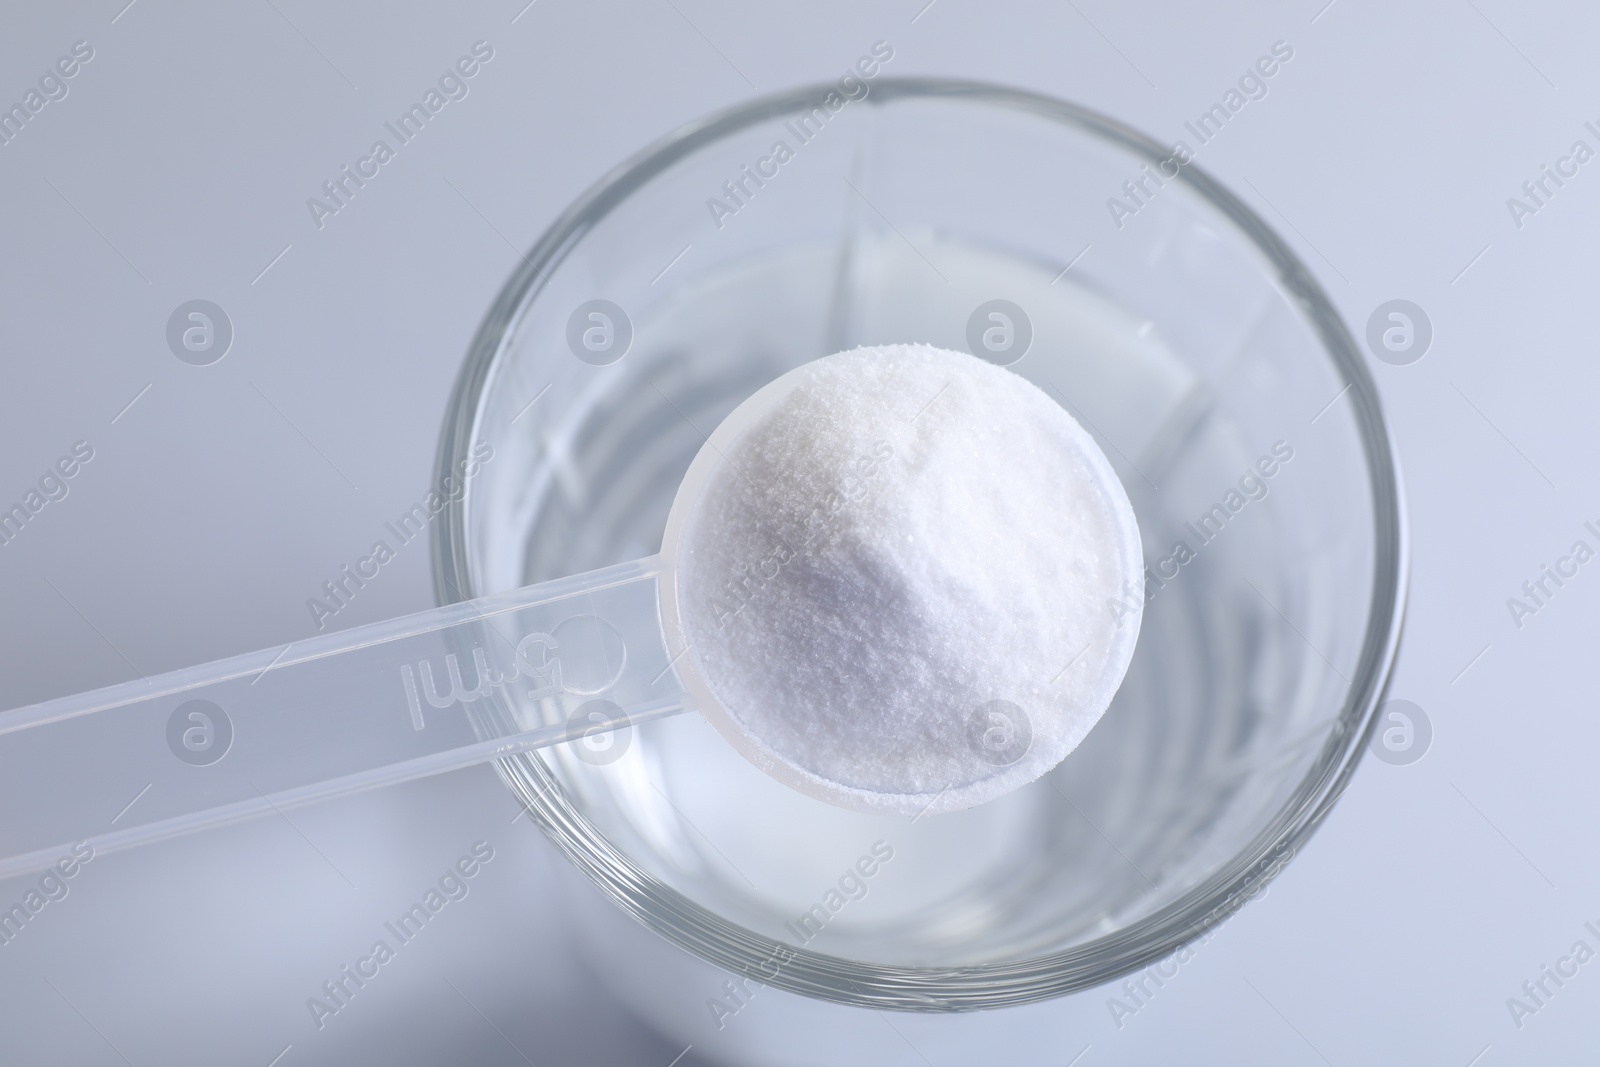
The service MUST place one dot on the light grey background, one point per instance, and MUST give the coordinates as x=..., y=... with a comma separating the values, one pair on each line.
x=178, y=167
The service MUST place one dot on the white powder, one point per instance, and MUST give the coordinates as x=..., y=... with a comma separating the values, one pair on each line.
x=912, y=583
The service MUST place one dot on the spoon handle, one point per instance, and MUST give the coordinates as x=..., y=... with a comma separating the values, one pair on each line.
x=575, y=662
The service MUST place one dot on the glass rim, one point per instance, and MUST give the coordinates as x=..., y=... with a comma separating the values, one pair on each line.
x=1202, y=907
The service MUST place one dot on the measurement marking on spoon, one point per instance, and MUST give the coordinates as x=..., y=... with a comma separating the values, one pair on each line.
x=549, y=674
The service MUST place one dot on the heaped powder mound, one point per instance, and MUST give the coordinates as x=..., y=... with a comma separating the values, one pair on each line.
x=912, y=583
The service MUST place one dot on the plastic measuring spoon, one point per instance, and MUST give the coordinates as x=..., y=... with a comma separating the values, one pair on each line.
x=337, y=714
x=570, y=661
x=376, y=705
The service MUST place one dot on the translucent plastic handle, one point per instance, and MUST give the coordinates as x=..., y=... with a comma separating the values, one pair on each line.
x=571, y=660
